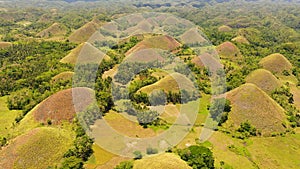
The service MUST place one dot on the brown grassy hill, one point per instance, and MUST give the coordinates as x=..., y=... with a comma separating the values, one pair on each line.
x=54, y=30
x=165, y=161
x=192, y=36
x=224, y=28
x=63, y=76
x=84, y=33
x=145, y=55
x=163, y=42
x=208, y=61
x=87, y=52
x=228, y=50
x=249, y=103
x=38, y=149
x=60, y=106
x=241, y=39
x=5, y=45
x=276, y=63
x=264, y=79
x=172, y=82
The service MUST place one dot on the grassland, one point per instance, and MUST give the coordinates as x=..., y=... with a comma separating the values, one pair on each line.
x=127, y=127
x=165, y=161
x=39, y=148
x=7, y=117
x=276, y=63
x=264, y=79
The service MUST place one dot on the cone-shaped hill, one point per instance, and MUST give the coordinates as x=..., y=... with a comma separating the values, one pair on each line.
x=264, y=79
x=276, y=63
x=250, y=103
x=228, y=50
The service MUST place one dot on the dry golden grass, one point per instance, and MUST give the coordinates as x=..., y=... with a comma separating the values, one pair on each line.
x=60, y=106
x=228, y=50
x=53, y=31
x=126, y=126
x=63, y=76
x=163, y=42
x=37, y=149
x=224, y=28
x=172, y=82
x=5, y=45
x=84, y=53
x=84, y=33
x=240, y=39
x=276, y=63
x=249, y=103
x=264, y=79
x=161, y=161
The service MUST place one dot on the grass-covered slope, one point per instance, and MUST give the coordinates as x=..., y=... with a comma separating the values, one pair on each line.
x=7, y=117
x=163, y=42
x=37, y=149
x=55, y=29
x=172, y=82
x=83, y=53
x=5, y=44
x=249, y=103
x=276, y=63
x=228, y=50
x=165, y=161
x=63, y=76
x=264, y=79
x=60, y=106
x=84, y=33
x=241, y=39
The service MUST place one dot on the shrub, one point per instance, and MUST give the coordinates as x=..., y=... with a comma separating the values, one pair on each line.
x=125, y=165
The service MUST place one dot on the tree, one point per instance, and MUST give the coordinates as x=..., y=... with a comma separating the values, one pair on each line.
x=197, y=157
x=151, y=150
x=157, y=97
x=72, y=163
x=125, y=165
x=147, y=117
x=137, y=155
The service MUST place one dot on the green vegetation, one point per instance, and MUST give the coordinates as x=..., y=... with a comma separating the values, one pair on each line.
x=125, y=165
x=197, y=157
